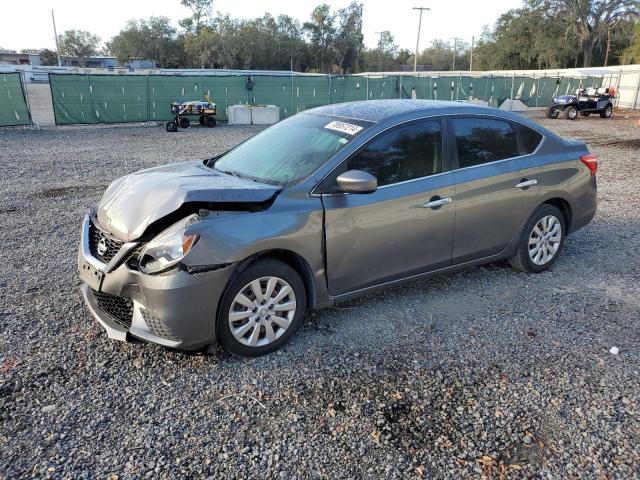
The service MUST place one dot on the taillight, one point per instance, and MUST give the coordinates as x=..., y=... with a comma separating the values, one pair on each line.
x=591, y=161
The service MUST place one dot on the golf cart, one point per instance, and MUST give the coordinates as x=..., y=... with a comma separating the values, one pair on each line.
x=585, y=102
x=204, y=110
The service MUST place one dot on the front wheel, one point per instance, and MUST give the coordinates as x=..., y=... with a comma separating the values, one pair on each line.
x=571, y=113
x=262, y=309
x=608, y=111
x=541, y=240
x=553, y=112
x=184, y=122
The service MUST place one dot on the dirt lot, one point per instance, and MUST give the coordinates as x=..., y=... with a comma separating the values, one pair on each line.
x=488, y=371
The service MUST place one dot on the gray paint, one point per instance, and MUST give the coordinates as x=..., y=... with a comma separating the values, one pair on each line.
x=347, y=244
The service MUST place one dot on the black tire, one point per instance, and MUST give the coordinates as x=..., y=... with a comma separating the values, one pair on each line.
x=571, y=113
x=211, y=122
x=172, y=127
x=553, y=112
x=607, y=112
x=184, y=122
x=260, y=269
x=202, y=120
x=521, y=259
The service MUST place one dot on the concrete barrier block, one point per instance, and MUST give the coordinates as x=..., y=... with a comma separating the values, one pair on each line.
x=265, y=114
x=239, y=115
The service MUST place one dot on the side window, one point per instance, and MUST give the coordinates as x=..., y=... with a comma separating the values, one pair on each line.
x=482, y=140
x=529, y=137
x=404, y=153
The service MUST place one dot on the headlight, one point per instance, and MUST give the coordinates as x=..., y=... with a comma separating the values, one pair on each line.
x=168, y=248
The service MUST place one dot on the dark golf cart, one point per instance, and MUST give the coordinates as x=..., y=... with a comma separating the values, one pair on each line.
x=585, y=102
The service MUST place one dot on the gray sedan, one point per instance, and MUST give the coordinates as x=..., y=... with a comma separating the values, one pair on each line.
x=329, y=204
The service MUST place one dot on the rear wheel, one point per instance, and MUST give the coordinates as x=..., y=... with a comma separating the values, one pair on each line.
x=184, y=122
x=262, y=309
x=571, y=113
x=608, y=111
x=553, y=112
x=211, y=122
x=541, y=241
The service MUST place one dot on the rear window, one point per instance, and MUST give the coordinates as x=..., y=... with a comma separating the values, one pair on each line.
x=482, y=140
x=530, y=138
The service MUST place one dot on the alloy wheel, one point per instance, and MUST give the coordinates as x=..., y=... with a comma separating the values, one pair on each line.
x=544, y=240
x=262, y=311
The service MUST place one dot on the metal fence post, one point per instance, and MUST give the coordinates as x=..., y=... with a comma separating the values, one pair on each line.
x=329, y=98
x=513, y=81
x=93, y=110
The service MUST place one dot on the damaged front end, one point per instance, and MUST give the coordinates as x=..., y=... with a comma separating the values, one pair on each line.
x=135, y=250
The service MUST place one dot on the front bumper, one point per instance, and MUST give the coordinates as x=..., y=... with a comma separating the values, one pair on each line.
x=176, y=310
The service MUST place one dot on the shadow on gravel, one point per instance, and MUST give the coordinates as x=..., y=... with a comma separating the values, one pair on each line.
x=57, y=192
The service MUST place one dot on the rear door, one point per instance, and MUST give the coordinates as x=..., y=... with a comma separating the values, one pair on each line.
x=406, y=226
x=496, y=186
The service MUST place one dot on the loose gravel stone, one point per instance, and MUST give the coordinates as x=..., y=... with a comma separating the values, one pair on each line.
x=488, y=371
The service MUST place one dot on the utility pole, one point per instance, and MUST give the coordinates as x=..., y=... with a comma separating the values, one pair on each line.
x=455, y=52
x=379, y=51
x=473, y=41
x=55, y=32
x=415, y=58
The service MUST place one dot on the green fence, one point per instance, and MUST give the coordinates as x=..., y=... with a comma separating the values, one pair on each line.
x=14, y=109
x=79, y=98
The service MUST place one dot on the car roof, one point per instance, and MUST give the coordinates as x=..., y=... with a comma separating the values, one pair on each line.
x=378, y=110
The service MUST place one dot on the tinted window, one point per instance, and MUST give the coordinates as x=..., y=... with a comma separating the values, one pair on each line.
x=482, y=140
x=404, y=153
x=530, y=138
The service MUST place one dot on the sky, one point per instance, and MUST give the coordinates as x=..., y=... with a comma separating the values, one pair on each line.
x=27, y=23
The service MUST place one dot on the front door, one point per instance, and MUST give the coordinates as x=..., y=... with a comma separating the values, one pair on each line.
x=405, y=227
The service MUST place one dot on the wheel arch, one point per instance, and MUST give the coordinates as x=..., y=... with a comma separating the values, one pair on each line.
x=564, y=206
x=292, y=259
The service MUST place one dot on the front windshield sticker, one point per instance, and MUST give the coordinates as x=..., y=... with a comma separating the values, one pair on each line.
x=343, y=127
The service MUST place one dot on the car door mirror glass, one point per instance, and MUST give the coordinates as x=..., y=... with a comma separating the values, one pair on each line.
x=357, y=181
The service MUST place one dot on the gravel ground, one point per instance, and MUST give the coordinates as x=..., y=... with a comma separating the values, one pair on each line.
x=487, y=372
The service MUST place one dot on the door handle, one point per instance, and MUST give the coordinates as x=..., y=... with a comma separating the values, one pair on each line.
x=437, y=202
x=527, y=183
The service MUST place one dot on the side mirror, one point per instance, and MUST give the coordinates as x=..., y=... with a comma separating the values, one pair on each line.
x=357, y=181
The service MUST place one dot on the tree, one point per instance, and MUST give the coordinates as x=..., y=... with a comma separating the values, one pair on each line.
x=153, y=39
x=321, y=32
x=591, y=20
x=632, y=53
x=348, y=41
x=49, y=57
x=200, y=11
x=80, y=44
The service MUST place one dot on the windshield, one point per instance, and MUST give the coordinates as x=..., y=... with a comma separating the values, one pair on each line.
x=291, y=149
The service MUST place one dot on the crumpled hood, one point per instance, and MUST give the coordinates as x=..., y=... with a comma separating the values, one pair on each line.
x=134, y=202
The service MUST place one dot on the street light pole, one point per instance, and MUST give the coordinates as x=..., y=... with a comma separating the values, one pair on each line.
x=379, y=51
x=455, y=52
x=56, y=35
x=473, y=41
x=415, y=58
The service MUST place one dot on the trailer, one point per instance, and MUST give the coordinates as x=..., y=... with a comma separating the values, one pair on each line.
x=204, y=110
